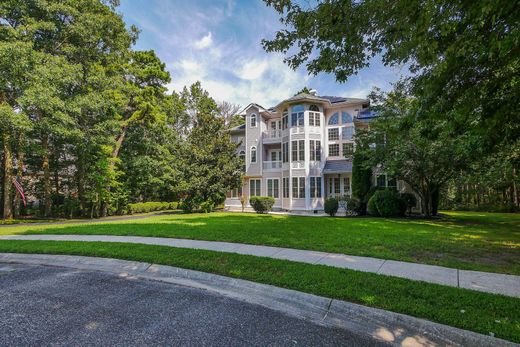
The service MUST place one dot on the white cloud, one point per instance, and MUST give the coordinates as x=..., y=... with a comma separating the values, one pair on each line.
x=252, y=70
x=204, y=42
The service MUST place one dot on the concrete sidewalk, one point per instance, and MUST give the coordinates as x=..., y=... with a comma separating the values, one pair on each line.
x=387, y=327
x=482, y=281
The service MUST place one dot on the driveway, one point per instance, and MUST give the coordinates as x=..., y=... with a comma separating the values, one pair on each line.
x=42, y=305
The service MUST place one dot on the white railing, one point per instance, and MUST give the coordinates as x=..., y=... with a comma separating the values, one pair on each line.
x=272, y=134
x=272, y=165
x=297, y=130
x=298, y=164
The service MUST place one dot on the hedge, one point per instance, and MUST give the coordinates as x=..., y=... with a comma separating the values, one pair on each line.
x=143, y=207
x=262, y=204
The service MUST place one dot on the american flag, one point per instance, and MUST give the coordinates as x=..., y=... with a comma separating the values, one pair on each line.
x=19, y=188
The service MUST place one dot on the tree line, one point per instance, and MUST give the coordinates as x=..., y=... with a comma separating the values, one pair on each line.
x=87, y=124
x=451, y=128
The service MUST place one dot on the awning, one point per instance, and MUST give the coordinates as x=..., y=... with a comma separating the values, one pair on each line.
x=337, y=166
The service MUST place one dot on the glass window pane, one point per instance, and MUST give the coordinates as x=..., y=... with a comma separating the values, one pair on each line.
x=334, y=119
x=347, y=133
x=346, y=118
x=334, y=134
x=295, y=187
x=302, y=187
x=334, y=150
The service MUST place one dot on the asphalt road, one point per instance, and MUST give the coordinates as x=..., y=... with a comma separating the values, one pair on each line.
x=41, y=306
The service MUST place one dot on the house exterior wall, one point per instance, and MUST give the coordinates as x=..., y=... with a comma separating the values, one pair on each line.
x=267, y=138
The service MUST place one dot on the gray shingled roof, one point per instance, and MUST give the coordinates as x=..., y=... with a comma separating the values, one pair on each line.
x=238, y=128
x=337, y=166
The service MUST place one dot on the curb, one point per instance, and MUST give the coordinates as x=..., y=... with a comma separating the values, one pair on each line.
x=393, y=328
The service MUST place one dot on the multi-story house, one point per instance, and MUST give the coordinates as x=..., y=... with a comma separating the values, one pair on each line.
x=300, y=151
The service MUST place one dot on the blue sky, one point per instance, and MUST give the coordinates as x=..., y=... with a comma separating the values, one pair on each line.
x=217, y=42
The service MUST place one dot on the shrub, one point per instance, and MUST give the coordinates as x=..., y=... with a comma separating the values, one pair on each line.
x=384, y=203
x=151, y=206
x=331, y=206
x=409, y=200
x=354, y=206
x=206, y=206
x=188, y=205
x=262, y=204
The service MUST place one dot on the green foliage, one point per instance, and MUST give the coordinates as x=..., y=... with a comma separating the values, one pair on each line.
x=409, y=200
x=262, y=204
x=331, y=206
x=354, y=206
x=361, y=177
x=206, y=206
x=144, y=207
x=386, y=203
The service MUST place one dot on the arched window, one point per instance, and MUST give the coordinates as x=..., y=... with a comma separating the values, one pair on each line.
x=334, y=119
x=253, y=154
x=346, y=118
x=253, y=120
x=242, y=155
x=314, y=108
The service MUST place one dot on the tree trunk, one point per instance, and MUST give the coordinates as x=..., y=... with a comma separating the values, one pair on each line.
x=19, y=173
x=115, y=153
x=80, y=178
x=515, y=189
x=46, y=178
x=7, y=182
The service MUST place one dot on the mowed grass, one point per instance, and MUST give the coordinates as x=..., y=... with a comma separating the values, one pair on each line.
x=480, y=312
x=465, y=240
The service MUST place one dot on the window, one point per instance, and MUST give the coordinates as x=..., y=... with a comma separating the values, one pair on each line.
x=391, y=182
x=285, y=152
x=253, y=154
x=314, y=108
x=273, y=187
x=346, y=118
x=298, y=188
x=242, y=156
x=315, y=187
x=254, y=188
x=297, y=115
x=285, y=184
x=337, y=191
x=334, y=119
x=315, y=150
x=348, y=149
x=347, y=133
x=334, y=150
x=275, y=156
x=298, y=150
x=285, y=120
x=334, y=134
x=235, y=193
x=314, y=119
x=253, y=120
x=381, y=181
x=346, y=185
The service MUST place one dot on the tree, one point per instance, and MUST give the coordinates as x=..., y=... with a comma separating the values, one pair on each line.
x=210, y=165
x=464, y=56
x=303, y=90
x=361, y=176
x=413, y=147
x=229, y=112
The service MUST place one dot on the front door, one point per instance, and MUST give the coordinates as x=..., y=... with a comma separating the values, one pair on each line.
x=338, y=186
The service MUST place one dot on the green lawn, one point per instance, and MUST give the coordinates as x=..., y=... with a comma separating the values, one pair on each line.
x=466, y=240
x=466, y=309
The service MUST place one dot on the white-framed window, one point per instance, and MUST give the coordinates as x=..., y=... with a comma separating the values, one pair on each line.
x=314, y=108
x=253, y=154
x=333, y=134
x=346, y=118
x=347, y=133
x=255, y=187
x=298, y=150
x=235, y=193
x=334, y=119
x=285, y=152
x=273, y=187
x=285, y=119
x=334, y=150
x=315, y=150
x=253, y=120
x=314, y=116
x=348, y=148
x=242, y=156
x=386, y=181
x=298, y=187
x=285, y=188
x=381, y=181
x=315, y=187
x=346, y=185
x=297, y=116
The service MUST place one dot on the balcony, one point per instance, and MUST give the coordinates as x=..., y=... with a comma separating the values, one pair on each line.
x=272, y=136
x=272, y=165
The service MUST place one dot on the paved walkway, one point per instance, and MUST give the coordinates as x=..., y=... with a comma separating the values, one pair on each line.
x=482, y=281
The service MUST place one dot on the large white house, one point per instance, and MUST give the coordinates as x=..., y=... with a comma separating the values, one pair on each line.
x=299, y=152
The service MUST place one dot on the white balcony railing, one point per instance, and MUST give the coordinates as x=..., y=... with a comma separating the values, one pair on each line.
x=272, y=165
x=298, y=164
x=272, y=134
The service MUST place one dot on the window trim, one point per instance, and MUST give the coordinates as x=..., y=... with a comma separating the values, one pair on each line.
x=253, y=120
x=330, y=152
x=332, y=130
x=257, y=188
x=273, y=190
x=253, y=148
